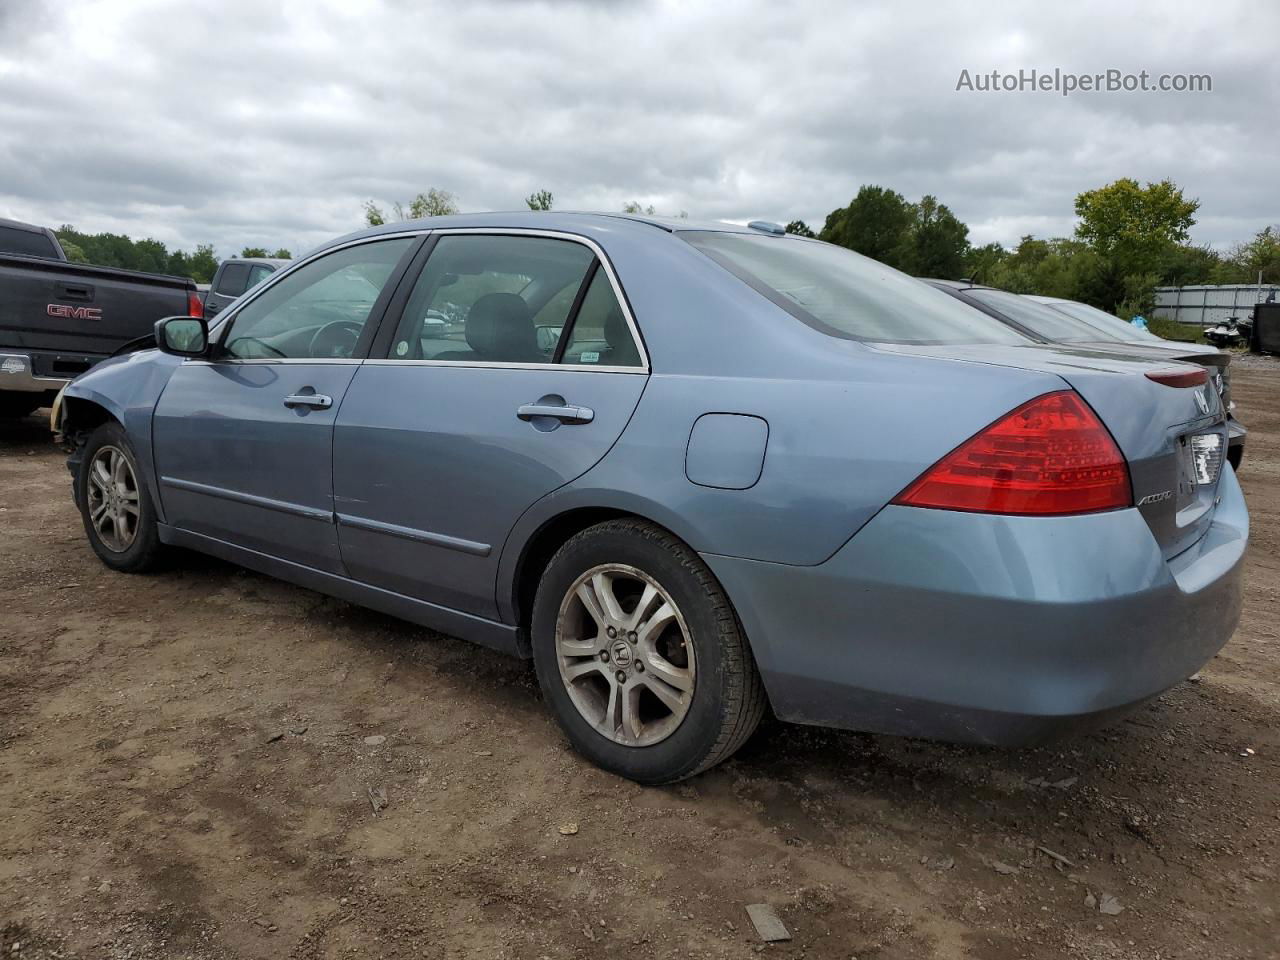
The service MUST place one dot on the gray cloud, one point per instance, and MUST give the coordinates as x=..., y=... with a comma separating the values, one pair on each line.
x=269, y=124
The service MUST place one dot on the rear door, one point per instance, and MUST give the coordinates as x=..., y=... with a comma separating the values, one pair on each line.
x=513, y=368
x=244, y=442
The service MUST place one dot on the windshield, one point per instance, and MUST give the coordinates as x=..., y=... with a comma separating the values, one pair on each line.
x=846, y=295
x=1103, y=320
x=1041, y=320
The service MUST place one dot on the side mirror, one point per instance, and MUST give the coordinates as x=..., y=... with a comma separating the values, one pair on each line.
x=183, y=336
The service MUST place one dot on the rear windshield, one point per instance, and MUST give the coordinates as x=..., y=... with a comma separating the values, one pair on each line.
x=26, y=243
x=1104, y=321
x=847, y=295
x=1041, y=320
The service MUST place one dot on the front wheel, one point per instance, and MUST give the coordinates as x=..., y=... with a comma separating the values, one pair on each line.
x=641, y=656
x=119, y=517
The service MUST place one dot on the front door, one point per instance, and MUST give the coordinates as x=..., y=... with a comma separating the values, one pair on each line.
x=244, y=441
x=511, y=372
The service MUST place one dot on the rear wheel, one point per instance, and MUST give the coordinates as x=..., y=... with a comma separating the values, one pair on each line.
x=118, y=514
x=641, y=656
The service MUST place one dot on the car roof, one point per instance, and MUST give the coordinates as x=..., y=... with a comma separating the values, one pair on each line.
x=567, y=221
x=272, y=261
x=19, y=225
x=956, y=284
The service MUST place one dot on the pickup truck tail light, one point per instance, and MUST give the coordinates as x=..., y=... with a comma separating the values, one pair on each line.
x=195, y=306
x=1050, y=456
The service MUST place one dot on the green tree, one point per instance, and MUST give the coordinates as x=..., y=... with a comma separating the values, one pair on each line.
x=1186, y=264
x=203, y=264
x=254, y=252
x=936, y=242
x=979, y=262
x=539, y=200
x=73, y=251
x=1259, y=255
x=282, y=254
x=875, y=224
x=1132, y=229
x=152, y=256
x=1060, y=267
x=800, y=229
x=373, y=214
x=433, y=203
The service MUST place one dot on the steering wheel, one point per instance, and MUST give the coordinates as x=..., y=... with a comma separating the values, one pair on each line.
x=336, y=339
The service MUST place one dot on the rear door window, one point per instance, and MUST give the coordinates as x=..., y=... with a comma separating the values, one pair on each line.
x=600, y=336
x=257, y=273
x=492, y=299
x=233, y=280
x=1040, y=319
x=26, y=243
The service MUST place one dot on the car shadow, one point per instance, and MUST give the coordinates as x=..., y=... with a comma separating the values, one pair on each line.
x=31, y=431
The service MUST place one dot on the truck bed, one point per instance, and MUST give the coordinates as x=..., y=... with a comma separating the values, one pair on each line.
x=64, y=317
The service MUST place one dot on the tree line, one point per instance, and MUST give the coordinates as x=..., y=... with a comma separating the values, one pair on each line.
x=149, y=256
x=1129, y=239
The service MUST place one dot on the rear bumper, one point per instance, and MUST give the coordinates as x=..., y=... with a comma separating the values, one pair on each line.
x=18, y=372
x=1000, y=630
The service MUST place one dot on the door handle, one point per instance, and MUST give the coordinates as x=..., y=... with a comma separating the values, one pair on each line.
x=562, y=412
x=317, y=401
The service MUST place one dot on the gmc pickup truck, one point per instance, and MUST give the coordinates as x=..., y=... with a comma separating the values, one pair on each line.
x=57, y=319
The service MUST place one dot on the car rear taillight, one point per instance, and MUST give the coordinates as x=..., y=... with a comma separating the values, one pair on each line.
x=195, y=306
x=1050, y=456
x=1180, y=378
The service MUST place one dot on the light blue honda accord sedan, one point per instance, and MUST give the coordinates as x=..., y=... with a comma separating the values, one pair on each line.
x=694, y=471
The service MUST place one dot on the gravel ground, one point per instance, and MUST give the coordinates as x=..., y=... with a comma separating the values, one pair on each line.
x=191, y=765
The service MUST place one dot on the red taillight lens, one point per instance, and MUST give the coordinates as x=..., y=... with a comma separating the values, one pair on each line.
x=1180, y=378
x=195, y=306
x=1052, y=455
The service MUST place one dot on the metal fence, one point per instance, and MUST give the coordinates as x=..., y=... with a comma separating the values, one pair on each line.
x=1206, y=305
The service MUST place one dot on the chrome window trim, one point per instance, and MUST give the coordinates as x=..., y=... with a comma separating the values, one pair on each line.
x=350, y=361
x=500, y=365
x=229, y=314
x=605, y=263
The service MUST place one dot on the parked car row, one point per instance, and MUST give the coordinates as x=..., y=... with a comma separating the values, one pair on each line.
x=694, y=471
x=1053, y=320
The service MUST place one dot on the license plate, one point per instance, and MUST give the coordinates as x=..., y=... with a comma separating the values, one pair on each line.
x=1206, y=457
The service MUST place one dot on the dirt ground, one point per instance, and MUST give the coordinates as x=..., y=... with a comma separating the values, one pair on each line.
x=187, y=760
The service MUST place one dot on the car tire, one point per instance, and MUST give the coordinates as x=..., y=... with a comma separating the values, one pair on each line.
x=674, y=690
x=16, y=405
x=115, y=505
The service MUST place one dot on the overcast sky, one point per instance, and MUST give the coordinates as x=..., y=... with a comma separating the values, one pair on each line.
x=269, y=123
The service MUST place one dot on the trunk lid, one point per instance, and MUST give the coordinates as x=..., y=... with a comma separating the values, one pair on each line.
x=1216, y=362
x=1174, y=438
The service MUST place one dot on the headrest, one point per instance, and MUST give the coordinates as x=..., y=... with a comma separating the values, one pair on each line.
x=500, y=327
x=622, y=347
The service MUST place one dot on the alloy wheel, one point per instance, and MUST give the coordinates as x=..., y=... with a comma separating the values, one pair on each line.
x=113, y=502
x=625, y=655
